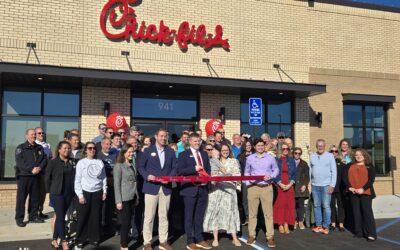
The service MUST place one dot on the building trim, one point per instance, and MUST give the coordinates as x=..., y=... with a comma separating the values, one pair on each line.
x=299, y=89
x=369, y=98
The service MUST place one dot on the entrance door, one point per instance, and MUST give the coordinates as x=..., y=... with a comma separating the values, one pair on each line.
x=174, y=128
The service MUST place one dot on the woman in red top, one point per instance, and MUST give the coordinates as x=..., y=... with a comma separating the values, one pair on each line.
x=359, y=179
x=284, y=207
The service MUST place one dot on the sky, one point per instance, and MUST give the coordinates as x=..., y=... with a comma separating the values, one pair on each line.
x=388, y=3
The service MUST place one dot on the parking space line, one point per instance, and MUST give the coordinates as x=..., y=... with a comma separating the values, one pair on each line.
x=255, y=245
x=391, y=223
x=389, y=240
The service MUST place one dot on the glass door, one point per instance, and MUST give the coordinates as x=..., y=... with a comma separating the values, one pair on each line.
x=149, y=128
x=175, y=129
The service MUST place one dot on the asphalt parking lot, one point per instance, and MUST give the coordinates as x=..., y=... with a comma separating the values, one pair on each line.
x=388, y=233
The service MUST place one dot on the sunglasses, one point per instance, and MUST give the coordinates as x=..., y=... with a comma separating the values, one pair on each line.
x=103, y=128
x=110, y=132
x=281, y=137
x=334, y=151
x=209, y=149
x=212, y=140
x=41, y=133
x=297, y=153
x=285, y=148
x=122, y=133
x=91, y=148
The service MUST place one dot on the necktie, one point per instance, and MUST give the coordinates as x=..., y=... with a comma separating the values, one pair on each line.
x=198, y=158
x=201, y=172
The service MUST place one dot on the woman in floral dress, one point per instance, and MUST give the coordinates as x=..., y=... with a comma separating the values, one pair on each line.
x=222, y=211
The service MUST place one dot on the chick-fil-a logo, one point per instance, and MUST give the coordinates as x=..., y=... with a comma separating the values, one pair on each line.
x=127, y=26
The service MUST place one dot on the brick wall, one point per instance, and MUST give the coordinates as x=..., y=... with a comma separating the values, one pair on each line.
x=351, y=50
x=210, y=105
x=331, y=106
x=93, y=99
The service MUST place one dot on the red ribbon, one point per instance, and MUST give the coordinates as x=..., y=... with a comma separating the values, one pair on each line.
x=207, y=178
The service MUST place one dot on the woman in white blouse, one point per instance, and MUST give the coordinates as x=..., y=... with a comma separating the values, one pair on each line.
x=91, y=189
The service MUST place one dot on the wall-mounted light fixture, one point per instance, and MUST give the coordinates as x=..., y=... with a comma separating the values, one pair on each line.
x=107, y=108
x=318, y=118
x=31, y=46
x=221, y=114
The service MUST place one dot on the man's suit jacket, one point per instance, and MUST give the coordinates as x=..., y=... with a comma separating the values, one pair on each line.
x=149, y=164
x=187, y=167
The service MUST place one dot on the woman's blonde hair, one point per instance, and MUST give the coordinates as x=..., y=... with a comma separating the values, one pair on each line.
x=350, y=150
x=279, y=154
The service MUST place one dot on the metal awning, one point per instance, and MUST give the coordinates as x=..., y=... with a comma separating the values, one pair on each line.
x=297, y=89
x=385, y=99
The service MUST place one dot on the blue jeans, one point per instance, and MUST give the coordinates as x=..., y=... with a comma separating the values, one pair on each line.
x=322, y=200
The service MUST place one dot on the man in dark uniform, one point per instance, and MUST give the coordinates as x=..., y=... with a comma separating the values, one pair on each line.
x=30, y=160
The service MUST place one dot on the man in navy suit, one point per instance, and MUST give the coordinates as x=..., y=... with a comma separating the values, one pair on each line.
x=157, y=160
x=195, y=195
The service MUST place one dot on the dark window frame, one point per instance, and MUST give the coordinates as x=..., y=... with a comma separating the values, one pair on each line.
x=364, y=127
x=265, y=99
x=135, y=94
x=42, y=90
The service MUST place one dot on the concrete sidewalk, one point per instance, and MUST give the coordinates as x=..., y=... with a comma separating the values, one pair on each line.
x=385, y=207
x=9, y=231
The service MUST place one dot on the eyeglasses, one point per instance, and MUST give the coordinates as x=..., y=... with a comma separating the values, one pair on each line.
x=91, y=148
x=103, y=128
x=285, y=148
x=41, y=133
x=297, y=153
x=334, y=151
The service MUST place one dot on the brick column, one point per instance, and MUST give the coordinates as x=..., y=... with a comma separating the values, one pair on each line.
x=93, y=99
x=302, y=125
x=210, y=105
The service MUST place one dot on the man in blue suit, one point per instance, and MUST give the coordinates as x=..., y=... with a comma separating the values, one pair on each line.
x=157, y=160
x=195, y=195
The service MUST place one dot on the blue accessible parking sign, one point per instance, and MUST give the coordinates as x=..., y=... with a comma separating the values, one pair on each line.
x=255, y=111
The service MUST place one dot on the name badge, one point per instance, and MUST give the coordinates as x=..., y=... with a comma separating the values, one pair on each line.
x=153, y=154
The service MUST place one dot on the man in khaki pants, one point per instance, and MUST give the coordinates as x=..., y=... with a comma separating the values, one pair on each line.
x=157, y=160
x=261, y=163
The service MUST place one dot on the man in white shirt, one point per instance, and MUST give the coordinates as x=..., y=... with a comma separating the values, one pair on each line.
x=40, y=134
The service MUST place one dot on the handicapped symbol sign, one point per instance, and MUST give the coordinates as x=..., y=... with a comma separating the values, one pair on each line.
x=254, y=105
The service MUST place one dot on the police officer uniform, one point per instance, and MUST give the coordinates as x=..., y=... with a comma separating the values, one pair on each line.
x=28, y=156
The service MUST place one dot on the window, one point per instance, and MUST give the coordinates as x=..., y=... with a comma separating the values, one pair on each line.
x=23, y=109
x=164, y=108
x=365, y=127
x=277, y=117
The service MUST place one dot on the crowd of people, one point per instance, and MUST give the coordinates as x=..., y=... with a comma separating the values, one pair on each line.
x=117, y=173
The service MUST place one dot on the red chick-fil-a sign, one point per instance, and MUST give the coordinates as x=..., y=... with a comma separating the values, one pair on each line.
x=127, y=26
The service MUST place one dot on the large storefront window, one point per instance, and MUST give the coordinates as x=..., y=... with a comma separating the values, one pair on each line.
x=365, y=126
x=53, y=110
x=277, y=117
x=175, y=113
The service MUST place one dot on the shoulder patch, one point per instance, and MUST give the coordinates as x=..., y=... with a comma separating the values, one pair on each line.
x=18, y=151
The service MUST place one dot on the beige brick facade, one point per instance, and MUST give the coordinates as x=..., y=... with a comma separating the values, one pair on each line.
x=351, y=50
